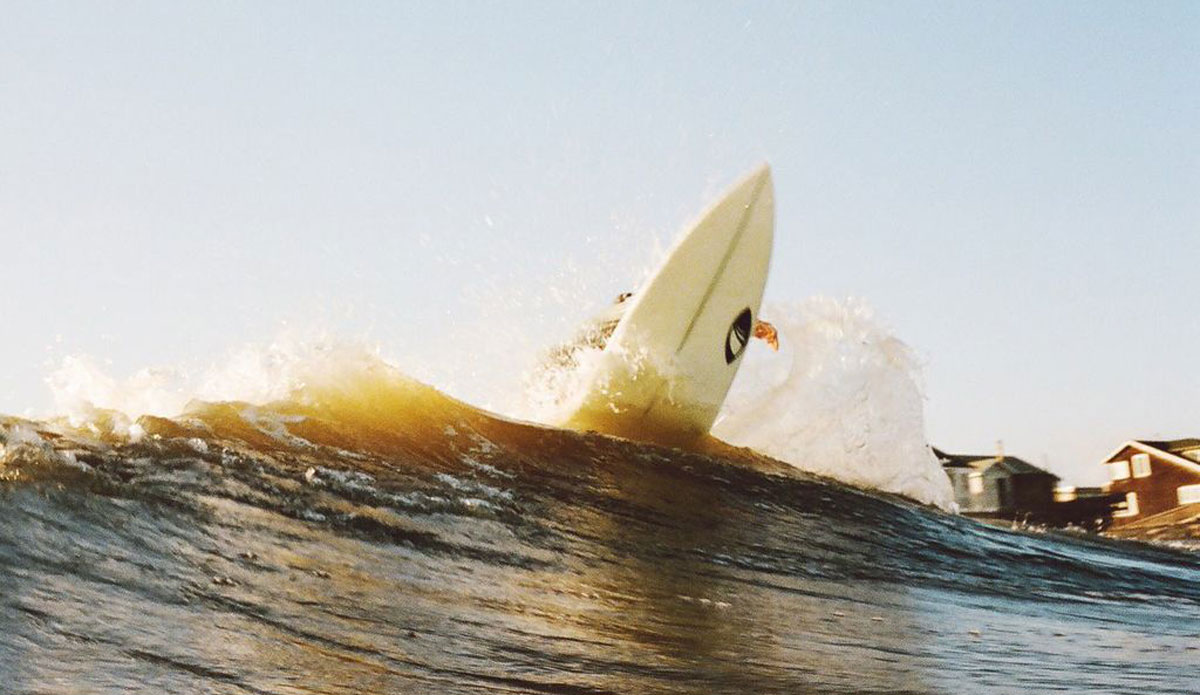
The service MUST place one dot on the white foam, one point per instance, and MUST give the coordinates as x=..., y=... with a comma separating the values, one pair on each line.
x=19, y=440
x=842, y=398
x=20, y=434
x=254, y=373
x=80, y=385
x=555, y=389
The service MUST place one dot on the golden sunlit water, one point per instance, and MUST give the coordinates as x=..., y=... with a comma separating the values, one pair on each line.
x=370, y=534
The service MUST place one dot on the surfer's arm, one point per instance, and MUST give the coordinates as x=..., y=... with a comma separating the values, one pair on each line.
x=765, y=331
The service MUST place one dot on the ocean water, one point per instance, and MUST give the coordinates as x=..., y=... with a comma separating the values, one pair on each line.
x=339, y=527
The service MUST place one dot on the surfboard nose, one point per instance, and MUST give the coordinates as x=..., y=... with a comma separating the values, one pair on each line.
x=756, y=187
x=762, y=172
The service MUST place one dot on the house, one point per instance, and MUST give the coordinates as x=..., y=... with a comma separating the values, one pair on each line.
x=1154, y=478
x=999, y=486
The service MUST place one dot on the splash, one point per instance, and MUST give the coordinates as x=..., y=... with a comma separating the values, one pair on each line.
x=487, y=353
x=557, y=386
x=257, y=373
x=557, y=380
x=842, y=399
x=81, y=386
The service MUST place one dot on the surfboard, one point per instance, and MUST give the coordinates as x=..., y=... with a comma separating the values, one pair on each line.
x=666, y=369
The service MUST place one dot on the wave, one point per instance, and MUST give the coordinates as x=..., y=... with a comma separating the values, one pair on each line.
x=841, y=398
x=365, y=448
x=370, y=533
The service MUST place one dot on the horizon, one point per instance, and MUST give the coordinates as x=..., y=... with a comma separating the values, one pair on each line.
x=1011, y=187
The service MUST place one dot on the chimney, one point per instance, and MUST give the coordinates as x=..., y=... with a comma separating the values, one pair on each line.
x=999, y=450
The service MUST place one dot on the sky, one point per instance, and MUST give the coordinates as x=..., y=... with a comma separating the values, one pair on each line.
x=1014, y=187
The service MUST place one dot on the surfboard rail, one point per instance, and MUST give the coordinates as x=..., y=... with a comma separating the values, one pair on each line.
x=668, y=365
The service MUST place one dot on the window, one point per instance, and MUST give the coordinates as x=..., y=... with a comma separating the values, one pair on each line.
x=1131, y=505
x=1119, y=470
x=1188, y=494
x=1140, y=465
x=975, y=483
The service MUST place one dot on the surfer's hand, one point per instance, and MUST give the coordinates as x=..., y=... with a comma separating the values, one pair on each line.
x=767, y=332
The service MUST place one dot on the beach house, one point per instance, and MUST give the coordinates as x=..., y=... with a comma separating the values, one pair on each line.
x=1157, y=480
x=999, y=486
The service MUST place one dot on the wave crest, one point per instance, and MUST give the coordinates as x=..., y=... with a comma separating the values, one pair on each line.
x=841, y=399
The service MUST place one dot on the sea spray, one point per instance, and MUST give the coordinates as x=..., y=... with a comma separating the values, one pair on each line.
x=256, y=373
x=80, y=385
x=485, y=354
x=395, y=538
x=842, y=398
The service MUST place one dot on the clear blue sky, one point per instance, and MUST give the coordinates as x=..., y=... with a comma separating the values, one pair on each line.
x=1014, y=186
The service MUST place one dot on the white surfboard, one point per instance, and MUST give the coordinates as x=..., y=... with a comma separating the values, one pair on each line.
x=668, y=366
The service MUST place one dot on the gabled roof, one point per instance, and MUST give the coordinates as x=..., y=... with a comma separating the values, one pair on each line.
x=1173, y=446
x=954, y=460
x=1017, y=466
x=1166, y=450
x=1009, y=464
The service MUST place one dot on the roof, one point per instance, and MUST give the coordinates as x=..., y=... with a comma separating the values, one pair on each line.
x=1169, y=450
x=1017, y=466
x=1010, y=464
x=1173, y=446
x=954, y=460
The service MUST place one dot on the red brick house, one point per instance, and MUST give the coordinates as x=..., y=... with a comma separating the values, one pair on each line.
x=1154, y=477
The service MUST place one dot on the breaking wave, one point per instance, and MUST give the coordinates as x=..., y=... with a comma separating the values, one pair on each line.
x=343, y=528
x=841, y=399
